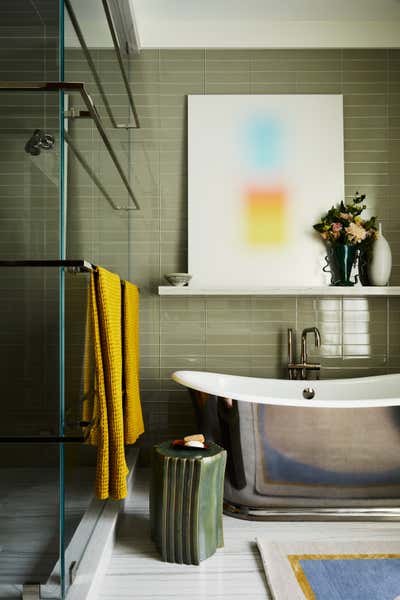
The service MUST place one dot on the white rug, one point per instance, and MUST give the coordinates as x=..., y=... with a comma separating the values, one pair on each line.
x=367, y=570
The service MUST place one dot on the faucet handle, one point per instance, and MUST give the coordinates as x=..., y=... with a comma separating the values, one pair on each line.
x=317, y=338
x=290, y=344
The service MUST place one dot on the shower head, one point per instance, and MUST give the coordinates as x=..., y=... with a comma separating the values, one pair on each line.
x=38, y=141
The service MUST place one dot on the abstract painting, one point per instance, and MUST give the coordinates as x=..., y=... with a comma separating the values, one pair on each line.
x=261, y=170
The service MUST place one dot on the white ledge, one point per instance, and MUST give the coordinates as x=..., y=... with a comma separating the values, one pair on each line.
x=169, y=290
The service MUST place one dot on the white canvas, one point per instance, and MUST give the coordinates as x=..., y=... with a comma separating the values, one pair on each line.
x=262, y=169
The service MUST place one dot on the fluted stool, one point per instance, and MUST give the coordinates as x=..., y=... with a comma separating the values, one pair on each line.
x=186, y=497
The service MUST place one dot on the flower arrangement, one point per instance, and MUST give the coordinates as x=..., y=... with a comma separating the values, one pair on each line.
x=344, y=224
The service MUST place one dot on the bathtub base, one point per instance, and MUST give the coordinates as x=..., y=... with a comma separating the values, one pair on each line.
x=248, y=513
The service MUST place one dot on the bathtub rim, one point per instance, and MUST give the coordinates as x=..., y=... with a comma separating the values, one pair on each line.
x=190, y=379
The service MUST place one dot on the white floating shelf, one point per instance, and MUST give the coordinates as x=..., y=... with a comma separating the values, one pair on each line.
x=169, y=290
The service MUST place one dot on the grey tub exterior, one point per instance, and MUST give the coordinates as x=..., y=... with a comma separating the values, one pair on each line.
x=264, y=482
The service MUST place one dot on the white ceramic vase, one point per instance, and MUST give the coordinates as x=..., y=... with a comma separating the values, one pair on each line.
x=380, y=267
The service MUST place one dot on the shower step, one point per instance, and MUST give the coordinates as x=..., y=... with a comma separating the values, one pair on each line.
x=31, y=591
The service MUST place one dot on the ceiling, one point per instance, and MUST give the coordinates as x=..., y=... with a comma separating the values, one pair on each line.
x=286, y=10
x=267, y=23
x=249, y=23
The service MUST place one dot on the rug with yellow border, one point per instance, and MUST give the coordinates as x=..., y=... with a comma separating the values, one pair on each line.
x=365, y=570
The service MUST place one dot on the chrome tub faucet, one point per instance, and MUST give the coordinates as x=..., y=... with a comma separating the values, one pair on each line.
x=300, y=370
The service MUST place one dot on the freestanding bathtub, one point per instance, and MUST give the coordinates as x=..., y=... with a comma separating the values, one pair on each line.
x=303, y=449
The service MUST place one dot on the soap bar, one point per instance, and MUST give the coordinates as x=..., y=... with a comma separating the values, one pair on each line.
x=194, y=444
x=197, y=437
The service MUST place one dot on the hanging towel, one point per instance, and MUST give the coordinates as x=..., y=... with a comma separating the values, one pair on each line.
x=133, y=418
x=106, y=430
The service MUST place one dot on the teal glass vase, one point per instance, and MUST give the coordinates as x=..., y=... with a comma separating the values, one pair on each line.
x=340, y=261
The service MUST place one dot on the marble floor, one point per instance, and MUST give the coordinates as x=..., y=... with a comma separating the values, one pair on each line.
x=136, y=571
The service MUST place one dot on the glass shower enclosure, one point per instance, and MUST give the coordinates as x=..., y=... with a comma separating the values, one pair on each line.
x=64, y=172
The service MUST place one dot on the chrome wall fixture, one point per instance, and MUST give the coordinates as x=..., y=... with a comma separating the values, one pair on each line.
x=92, y=112
x=125, y=25
x=119, y=58
x=39, y=140
x=302, y=369
x=77, y=266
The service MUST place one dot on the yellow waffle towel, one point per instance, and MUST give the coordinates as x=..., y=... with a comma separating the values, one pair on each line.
x=107, y=424
x=133, y=418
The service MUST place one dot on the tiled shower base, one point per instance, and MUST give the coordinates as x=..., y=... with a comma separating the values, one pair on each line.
x=29, y=531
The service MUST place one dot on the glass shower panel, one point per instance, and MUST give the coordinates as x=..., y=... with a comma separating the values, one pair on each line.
x=29, y=175
x=96, y=230
x=94, y=55
x=29, y=346
x=58, y=201
x=29, y=518
x=29, y=353
x=30, y=220
x=29, y=230
x=82, y=509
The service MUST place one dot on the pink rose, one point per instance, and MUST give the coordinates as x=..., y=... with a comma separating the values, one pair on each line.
x=356, y=233
x=336, y=227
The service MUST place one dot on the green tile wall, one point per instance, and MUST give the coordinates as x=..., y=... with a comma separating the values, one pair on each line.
x=247, y=335
x=243, y=335
x=29, y=215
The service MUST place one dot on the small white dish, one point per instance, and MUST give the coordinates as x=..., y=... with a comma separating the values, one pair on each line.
x=178, y=279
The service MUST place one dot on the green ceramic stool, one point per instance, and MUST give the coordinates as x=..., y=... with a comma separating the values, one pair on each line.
x=186, y=497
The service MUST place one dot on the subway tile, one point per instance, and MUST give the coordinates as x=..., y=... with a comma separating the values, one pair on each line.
x=319, y=77
x=365, y=54
x=227, y=78
x=310, y=87
x=329, y=305
x=275, y=77
x=231, y=364
x=182, y=65
x=363, y=100
x=366, y=123
x=181, y=316
x=268, y=63
x=181, y=55
x=365, y=76
x=329, y=64
x=364, y=304
x=189, y=77
x=228, y=55
x=273, y=88
x=227, y=87
x=226, y=66
x=364, y=87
